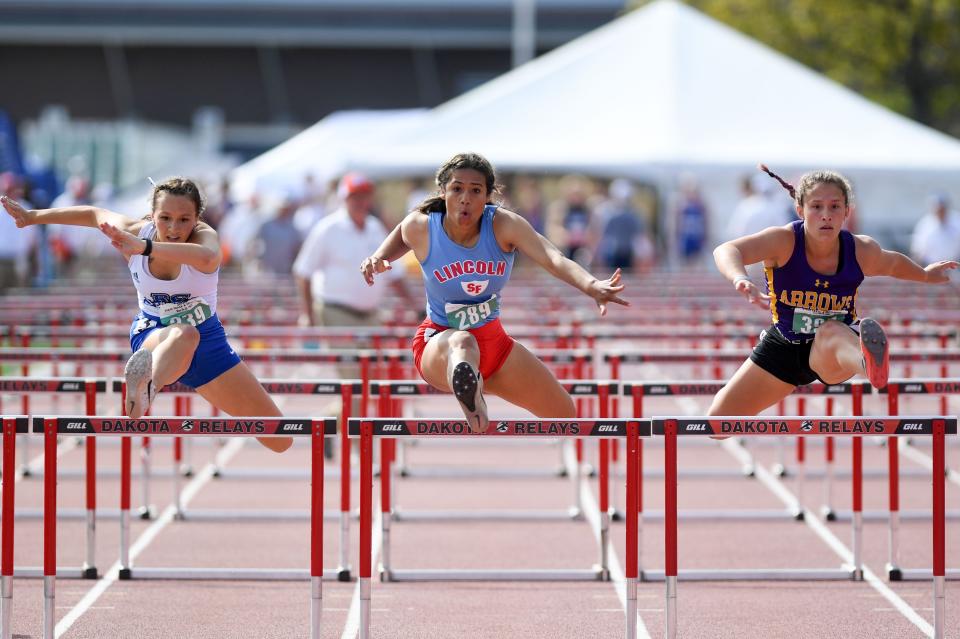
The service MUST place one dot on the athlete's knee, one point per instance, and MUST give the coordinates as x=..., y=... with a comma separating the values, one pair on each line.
x=185, y=334
x=463, y=340
x=566, y=408
x=829, y=333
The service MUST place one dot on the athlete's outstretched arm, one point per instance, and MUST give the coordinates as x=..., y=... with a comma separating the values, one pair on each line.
x=516, y=231
x=68, y=215
x=201, y=250
x=734, y=256
x=875, y=260
x=405, y=236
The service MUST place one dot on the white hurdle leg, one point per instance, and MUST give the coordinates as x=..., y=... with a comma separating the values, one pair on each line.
x=316, y=606
x=576, y=511
x=177, y=497
x=604, y=545
x=828, y=491
x=89, y=566
x=145, y=512
x=49, y=606
x=939, y=607
x=385, y=546
x=25, y=455
x=893, y=531
x=671, y=612
x=6, y=605
x=344, y=568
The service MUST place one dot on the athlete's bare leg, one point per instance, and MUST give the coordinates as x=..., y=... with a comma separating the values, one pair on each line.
x=525, y=381
x=164, y=356
x=836, y=356
x=749, y=391
x=237, y=392
x=443, y=352
x=451, y=362
x=173, y=348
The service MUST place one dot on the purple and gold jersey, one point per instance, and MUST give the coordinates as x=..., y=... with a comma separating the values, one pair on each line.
x=802, y=299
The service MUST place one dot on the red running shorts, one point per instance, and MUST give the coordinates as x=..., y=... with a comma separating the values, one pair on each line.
x=495, y=344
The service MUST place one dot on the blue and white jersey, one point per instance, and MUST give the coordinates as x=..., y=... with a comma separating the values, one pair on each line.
x=463, y=283
x=190, y=298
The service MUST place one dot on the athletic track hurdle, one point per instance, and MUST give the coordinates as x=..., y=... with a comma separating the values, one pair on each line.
x=638, y=391
x=330, y=388
x=893, y=390
x=88, y=426
x=389, y=393
x=90, y=388
x=936, y=427
x=368, y=429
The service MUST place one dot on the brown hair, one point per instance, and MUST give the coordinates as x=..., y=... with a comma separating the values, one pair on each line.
x=178, y=186
x=809, y=180
x=473, y=161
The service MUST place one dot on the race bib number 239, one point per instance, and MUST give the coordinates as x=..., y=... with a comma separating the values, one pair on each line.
x=194, y=312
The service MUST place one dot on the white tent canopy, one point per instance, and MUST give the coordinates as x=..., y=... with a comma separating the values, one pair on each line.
x=320, y=150
x=661, y=91
x=666, y=89
x=668, y=85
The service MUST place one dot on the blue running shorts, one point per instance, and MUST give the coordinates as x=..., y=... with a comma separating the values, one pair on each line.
x=213, y=356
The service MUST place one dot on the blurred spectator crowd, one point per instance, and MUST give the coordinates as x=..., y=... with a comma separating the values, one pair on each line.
x=602, y=224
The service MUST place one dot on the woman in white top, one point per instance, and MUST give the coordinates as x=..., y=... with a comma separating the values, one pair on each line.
x=174, y=260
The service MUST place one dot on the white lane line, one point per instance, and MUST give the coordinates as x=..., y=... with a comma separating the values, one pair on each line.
x=813, y=522
x=591, y=510
x=148, y=535
x=352, y=627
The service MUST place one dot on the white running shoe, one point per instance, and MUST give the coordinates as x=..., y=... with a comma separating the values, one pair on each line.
x=140, y=389
x=467, y=386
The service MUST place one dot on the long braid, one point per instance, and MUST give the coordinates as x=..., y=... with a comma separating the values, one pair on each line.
x=783, y=183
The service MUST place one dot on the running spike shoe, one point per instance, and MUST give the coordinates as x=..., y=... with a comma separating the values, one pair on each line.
x=140, y=388
x=467, y=387
x=876, y=352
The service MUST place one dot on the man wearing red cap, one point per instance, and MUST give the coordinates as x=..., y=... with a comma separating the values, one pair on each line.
x=331, y=291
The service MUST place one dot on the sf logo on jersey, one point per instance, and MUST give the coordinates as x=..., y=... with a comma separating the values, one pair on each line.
x=475, y=287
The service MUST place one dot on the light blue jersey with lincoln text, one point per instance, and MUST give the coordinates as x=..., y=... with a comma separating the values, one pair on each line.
x=464, y=283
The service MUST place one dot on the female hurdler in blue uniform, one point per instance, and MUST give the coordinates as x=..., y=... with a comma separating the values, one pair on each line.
x=174, y=260
x=466, y=245
x=813, y=269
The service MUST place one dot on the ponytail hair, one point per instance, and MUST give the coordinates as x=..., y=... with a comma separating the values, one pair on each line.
x=783, y=183
x=811, y=179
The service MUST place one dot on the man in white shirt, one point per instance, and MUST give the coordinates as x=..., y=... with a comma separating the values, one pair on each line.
x=936, y=236
x=331, y=286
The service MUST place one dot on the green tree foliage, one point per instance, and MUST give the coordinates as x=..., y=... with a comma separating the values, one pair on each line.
x=904, y=54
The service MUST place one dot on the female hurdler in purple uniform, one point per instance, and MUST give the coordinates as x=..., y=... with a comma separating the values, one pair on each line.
x=466, y=245
x=813, y=269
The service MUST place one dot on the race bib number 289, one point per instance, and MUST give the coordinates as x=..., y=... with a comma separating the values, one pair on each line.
x=464, y=316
